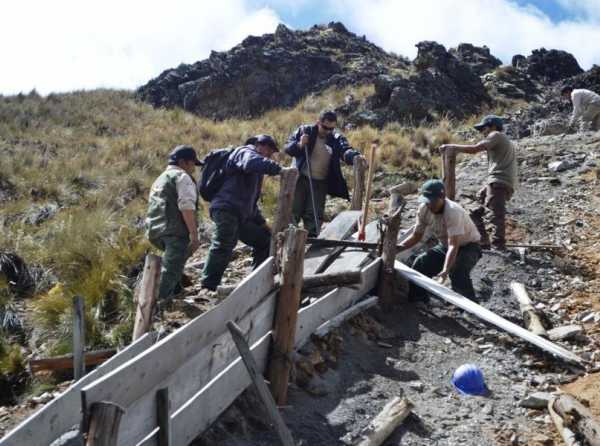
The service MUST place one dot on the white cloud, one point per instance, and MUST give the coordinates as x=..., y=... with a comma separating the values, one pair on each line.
x=64, y=45
x=503, y=26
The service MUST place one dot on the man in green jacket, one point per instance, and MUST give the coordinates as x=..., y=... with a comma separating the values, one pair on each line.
x=171, y=220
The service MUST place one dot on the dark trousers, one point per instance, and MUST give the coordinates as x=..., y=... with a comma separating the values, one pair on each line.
x=175, y=254
x=228, y=230
x=493, y=199
x=302, y=208
x=431, y=264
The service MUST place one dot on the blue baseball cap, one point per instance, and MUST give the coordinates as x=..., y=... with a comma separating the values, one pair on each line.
x=489, y=120
x=431, y=190
x=184, y=152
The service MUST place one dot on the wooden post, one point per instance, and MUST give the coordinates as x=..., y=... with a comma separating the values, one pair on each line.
x=78, y=338
x=358, y=192
x=163, y=416
x=285, y=200
x=449, y=174
x=66, y=362
x=531, y=319
x=387, y=289
x=259, y=382
x=365, y=209
x=577, y=418
x=382, y=426
x=105, y=418
x=286, y=315
x=148, y=295
x=567, y=434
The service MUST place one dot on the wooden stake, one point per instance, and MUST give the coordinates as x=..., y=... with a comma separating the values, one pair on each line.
x=358, y=192
x=163, y=416
x=286, y=315
x=285, y=200
x=382, y=426
x=531, y=319
x=105, y=418
x=259, y=382
x=449, y=173
x=365, y=209
x=387, y=290
x=78, y=337
x=577, y=418
x=147, y=297
x=66, y=362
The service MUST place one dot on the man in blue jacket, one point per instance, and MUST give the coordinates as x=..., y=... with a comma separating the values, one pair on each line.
x=322, y=173
x=234, y=209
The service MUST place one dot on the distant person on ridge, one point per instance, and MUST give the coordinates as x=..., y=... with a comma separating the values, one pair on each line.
x=458, y=250
x=586, y=107
x=171, y=220
x=234, y=209
x=321, y=173
x=502, y=178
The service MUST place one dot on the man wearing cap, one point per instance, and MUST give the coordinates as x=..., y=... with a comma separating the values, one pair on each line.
x=171, y=219
x=502, y=178
x=458, y=249
x=234, y=209
x=320, y=173
x=586, y=107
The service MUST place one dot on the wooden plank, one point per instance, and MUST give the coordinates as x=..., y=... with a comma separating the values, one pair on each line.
x=147, y=295
x=204, y=408
x=354, y=258
x=66, y=362
x=484, y=314
x=78, y=338
x=288, y=303
x=391, y=416
x=64, y=412
x=163, y=415
x=333, y=303
x=259, y=383
x=577, y=418
x=196, y=371
x=341, y=227
x=338, y=320
x=132, y=380
x=531, y=319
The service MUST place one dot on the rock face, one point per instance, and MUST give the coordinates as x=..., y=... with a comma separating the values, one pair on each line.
x=274, y=70
x=548, y=65
x=478, y=58
x=511, y=83
x=440, y=84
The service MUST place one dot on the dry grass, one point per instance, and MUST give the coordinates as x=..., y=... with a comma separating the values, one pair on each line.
x=94, y=156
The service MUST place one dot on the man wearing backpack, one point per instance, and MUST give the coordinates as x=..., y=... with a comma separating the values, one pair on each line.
x=171, y=219
x=318, y=151
x=234, y=208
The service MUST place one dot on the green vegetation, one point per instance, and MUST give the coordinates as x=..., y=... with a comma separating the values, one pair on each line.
x=75, y=170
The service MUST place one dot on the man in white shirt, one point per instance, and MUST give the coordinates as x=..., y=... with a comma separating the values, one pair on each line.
x=458, y=250
x=586, y=107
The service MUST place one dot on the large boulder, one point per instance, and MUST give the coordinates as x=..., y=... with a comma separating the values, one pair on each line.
x=548, y=65
x=510, y=83
x=440, y=84
x=273, y=70
x=478, y=58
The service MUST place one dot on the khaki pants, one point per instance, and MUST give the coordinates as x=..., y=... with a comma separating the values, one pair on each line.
x=590, y=120
x=492, y=199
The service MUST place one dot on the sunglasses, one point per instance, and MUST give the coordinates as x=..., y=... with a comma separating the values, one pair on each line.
x=327, y=129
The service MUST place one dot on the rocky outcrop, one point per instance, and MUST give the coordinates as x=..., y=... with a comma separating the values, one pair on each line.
x=440, y=84
x=510, y=83
x=548, y=65
x=478, y=58
x=274, y=70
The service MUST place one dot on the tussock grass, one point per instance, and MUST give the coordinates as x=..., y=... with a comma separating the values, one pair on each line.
x=94, y=155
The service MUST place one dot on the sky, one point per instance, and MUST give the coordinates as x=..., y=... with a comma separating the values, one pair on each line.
x=66, y=45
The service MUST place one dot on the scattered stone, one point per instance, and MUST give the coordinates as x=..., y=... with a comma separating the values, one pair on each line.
x=565, y=332
x=416, y=385
x=537, y=400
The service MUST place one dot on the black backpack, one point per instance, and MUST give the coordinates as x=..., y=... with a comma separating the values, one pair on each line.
x=213, y=173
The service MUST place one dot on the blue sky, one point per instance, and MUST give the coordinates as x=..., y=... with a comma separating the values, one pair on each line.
x=73, y=45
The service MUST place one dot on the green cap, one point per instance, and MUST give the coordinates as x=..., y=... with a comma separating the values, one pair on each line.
x=431, y=190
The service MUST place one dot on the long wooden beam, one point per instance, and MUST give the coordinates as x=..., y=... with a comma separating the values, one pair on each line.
x=66, y=362
x=483, y=313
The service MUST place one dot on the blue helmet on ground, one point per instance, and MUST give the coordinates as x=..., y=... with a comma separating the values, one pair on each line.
x=468, y=380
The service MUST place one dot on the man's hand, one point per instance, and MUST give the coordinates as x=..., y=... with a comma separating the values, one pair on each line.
x=303, y=140
x=267, y=227
x=442, y=277
x=364, y=160
x=285, y=169
x=194, y=245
